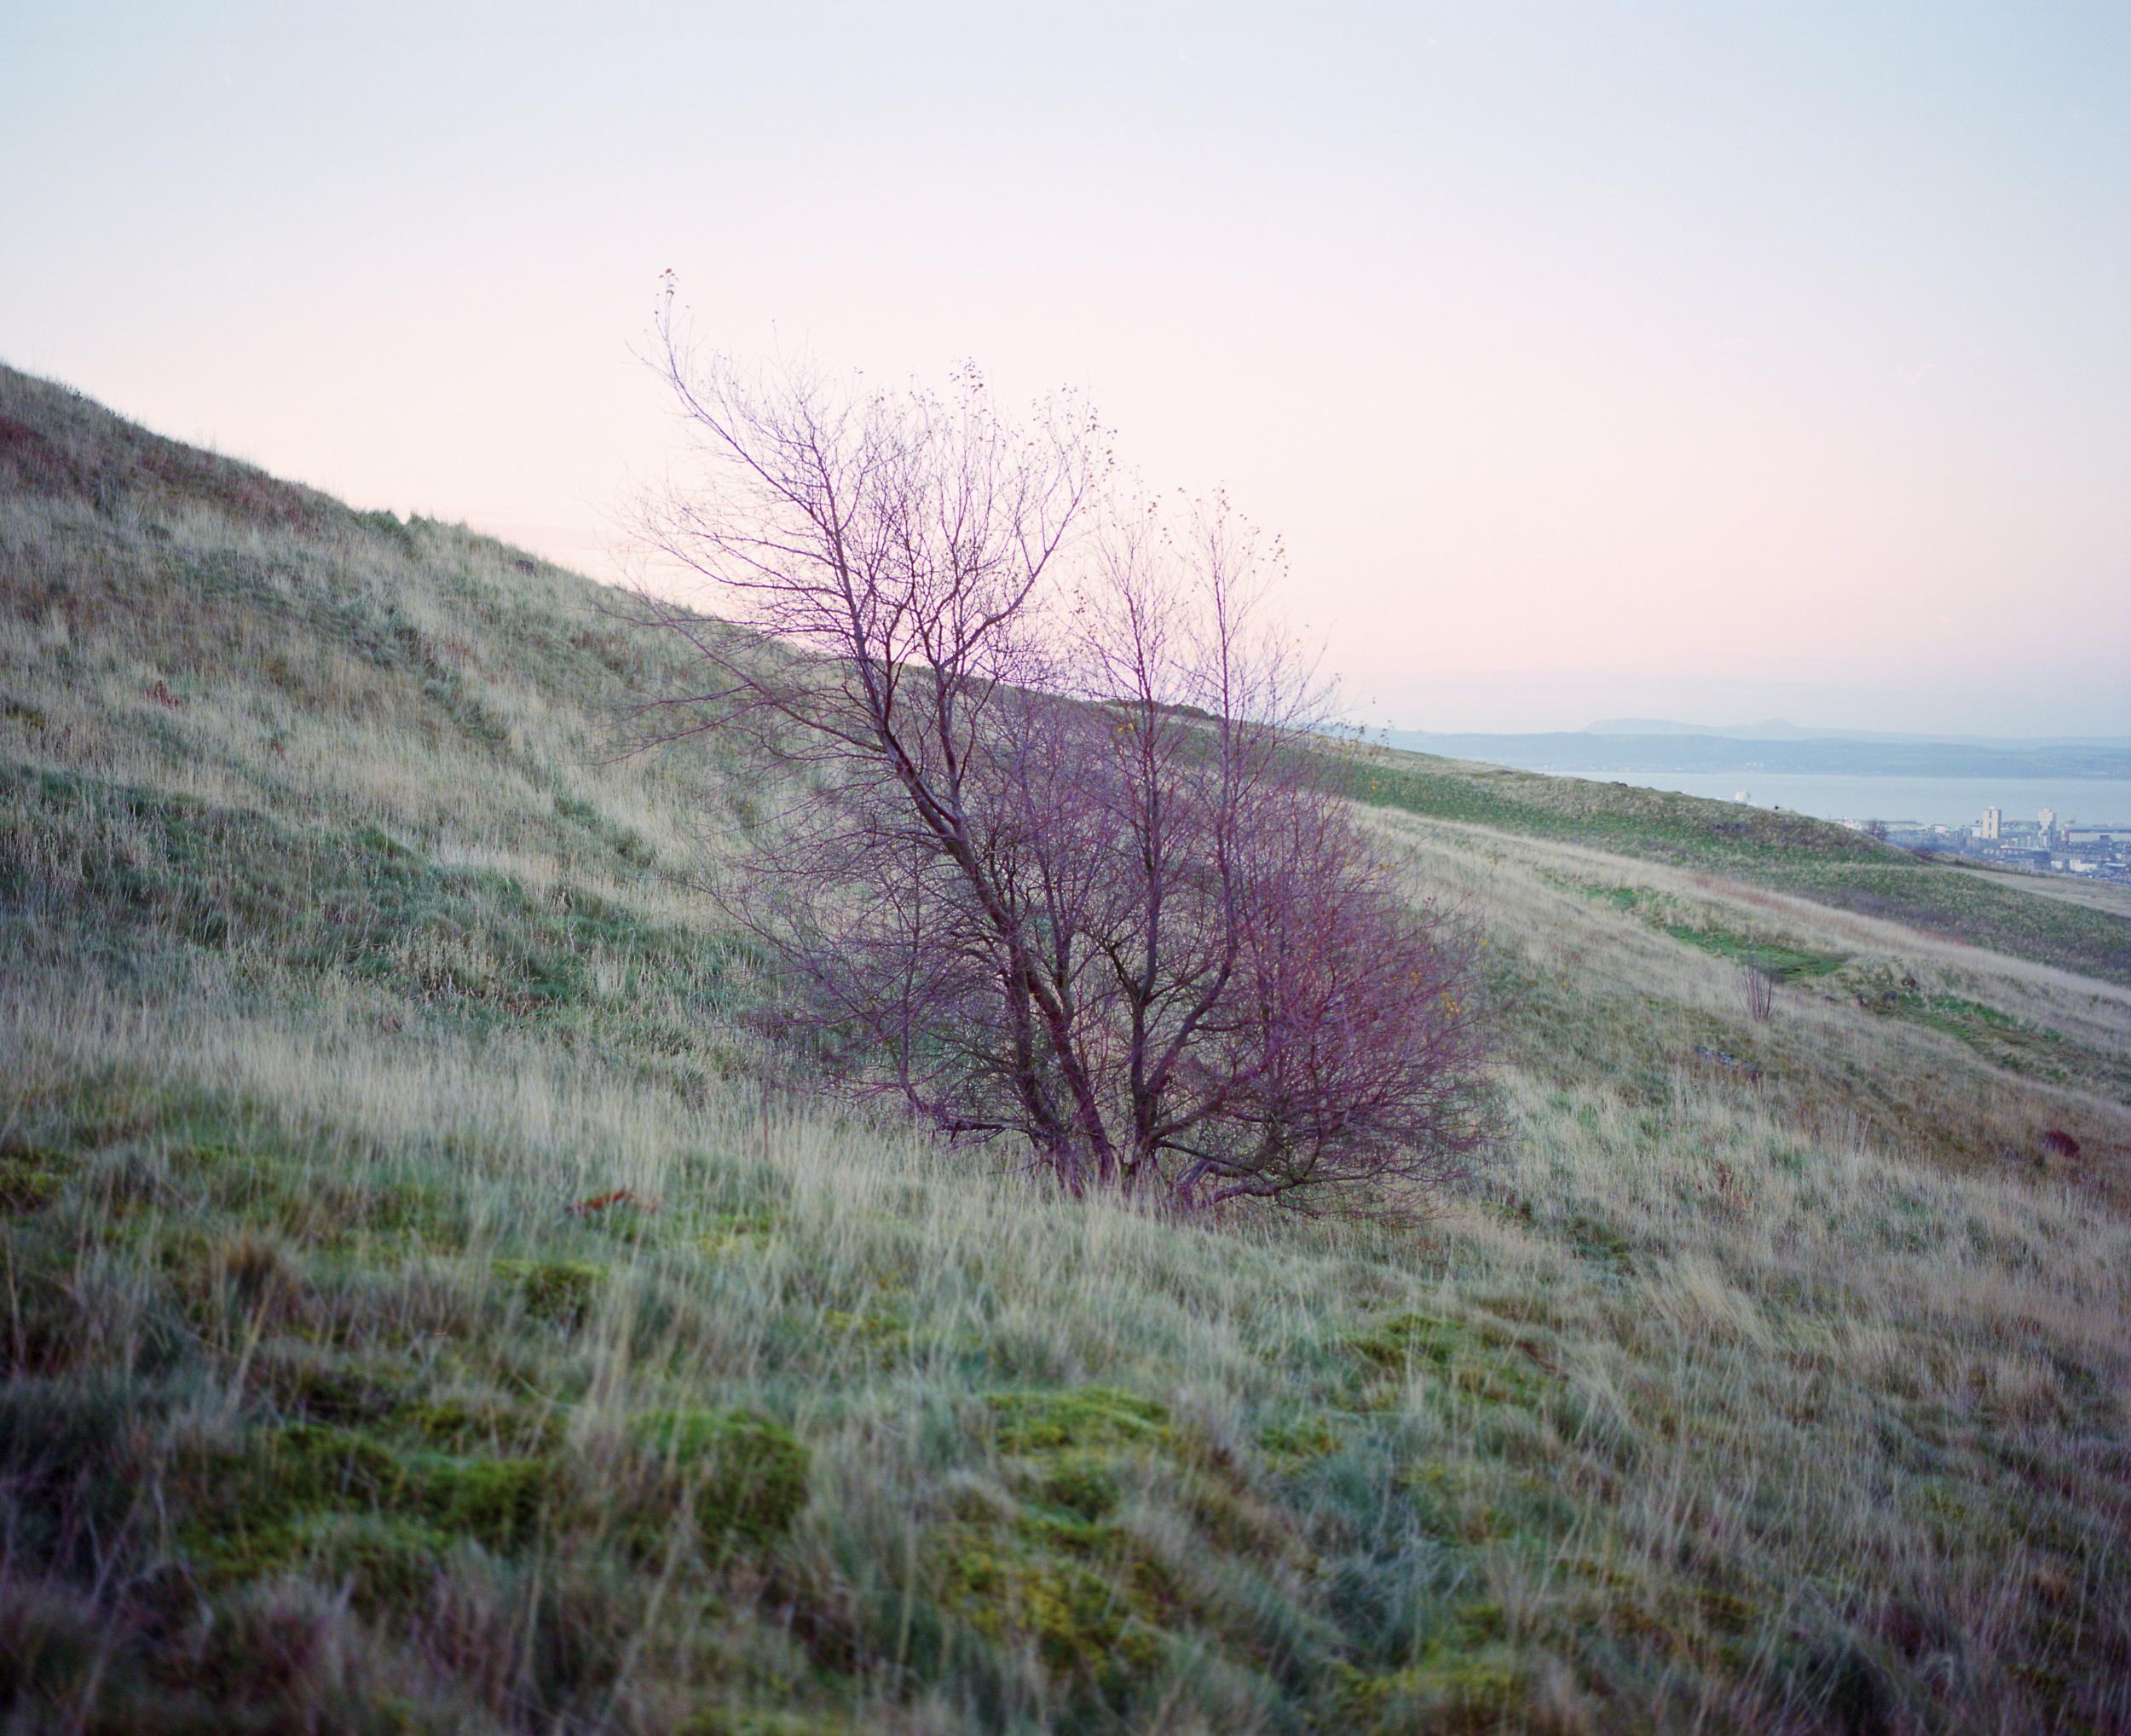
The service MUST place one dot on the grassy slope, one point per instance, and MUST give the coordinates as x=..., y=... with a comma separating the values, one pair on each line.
x=1627, y=971
x=1758, y=847
x=338, y=972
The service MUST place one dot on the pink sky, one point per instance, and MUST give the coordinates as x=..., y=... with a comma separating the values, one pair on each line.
x=1593, y=359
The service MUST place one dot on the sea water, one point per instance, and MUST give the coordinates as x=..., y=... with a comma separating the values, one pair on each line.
x=1921, y=801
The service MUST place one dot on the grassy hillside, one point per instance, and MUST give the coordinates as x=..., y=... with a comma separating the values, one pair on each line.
x=1762, y=847
x=430, y=1305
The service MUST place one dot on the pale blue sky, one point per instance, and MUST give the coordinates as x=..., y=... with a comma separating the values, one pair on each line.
x=1718, y=360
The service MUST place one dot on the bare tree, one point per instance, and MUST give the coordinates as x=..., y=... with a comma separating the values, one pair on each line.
x=1758, y=986
x=1059, y=864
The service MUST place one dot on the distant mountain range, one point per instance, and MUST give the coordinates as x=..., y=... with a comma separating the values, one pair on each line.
x=1646, y=745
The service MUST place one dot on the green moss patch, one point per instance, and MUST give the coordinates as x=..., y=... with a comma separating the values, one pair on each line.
x=478, y=1425
x=1082, y=1416
x=1287, y=1445
x=1784, y=963
x=1464, y=1359
x=747, y=1230
x=503, y=1503
x=1087, y=1628
x=387, y=1562
x=1592, y=1238
x=251, y=1510
x=31, y=1177
x=742, y=1475
x=1084, y=1486
x=1454, y=1693
x=2017, y=1045
x=325, y=1388
x=558, y=1291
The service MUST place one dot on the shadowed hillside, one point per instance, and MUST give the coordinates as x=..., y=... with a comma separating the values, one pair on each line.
x=433, y=1304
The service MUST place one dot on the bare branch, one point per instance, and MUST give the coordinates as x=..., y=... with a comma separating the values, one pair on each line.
x=1056, y=865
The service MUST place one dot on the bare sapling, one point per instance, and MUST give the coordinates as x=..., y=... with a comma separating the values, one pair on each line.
x=1758, y=988
x=1060, y=865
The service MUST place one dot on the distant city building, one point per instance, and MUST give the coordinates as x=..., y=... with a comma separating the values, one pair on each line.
x=2100, y=850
